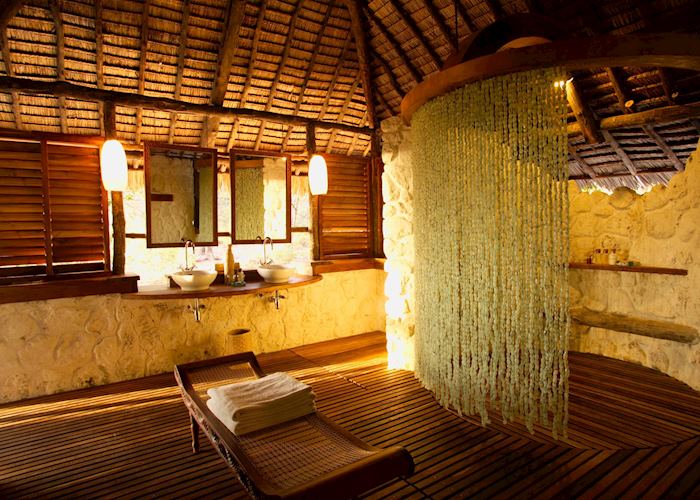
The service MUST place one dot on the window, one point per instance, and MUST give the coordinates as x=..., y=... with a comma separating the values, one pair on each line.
x=53, y=211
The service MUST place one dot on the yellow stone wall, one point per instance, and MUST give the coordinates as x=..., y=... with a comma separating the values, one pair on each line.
x=659, y=228
x=56, y=345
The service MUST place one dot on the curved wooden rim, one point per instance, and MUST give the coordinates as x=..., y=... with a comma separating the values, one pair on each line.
x=668, y=50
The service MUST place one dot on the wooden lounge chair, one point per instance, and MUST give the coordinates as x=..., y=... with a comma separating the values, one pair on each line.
x=309, y=457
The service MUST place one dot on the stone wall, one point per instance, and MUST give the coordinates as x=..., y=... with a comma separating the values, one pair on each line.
x=659, y=228
x=397, y=191
x=62, y=344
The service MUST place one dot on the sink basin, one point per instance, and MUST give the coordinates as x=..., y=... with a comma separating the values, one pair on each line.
x=275, y=273
x=195, y=280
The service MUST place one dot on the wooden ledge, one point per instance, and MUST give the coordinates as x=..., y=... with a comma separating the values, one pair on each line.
x=629, y=269
x=665, y=330
x=222, y=290
x=335, y=266
x=63, y=288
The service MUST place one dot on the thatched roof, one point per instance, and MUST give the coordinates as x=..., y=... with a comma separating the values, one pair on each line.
x=301, y=57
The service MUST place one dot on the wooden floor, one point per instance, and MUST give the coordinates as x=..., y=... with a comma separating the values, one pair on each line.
x=633, y=433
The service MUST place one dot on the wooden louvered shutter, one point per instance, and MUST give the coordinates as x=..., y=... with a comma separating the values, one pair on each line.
x=76, y=207
x=22, y=236
x=52, y=210
x=344, y=213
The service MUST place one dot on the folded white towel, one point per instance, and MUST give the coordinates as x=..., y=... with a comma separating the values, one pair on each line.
x=248, y=425
x=249, y=399
x=249, y=406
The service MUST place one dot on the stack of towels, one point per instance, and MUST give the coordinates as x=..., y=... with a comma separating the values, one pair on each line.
x=249, y=406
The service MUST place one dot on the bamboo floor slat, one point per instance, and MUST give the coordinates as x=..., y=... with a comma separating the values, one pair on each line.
x=633, y=433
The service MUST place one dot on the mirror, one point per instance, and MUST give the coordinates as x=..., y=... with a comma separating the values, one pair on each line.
x=180, y=195
x=260, y=196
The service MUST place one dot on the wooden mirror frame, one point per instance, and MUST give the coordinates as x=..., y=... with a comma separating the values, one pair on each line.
x=288, y=201
x=147, y=147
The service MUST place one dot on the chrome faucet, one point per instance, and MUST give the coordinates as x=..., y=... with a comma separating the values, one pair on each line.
x=265, y=261
x=189, y=243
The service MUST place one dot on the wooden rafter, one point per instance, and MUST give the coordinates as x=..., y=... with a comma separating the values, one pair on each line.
x=343, y=110
x=181, y=52
x=666, y=85
x=464, y=15
x=440, y=23
x=626, y=161
x=8, y=9
x=654, y=135
x=614, y=77
x=249, y=73
x=582, y=112
x=412, y=70
x=387, y=71
x=133, y=100
x=415, y=31
x=223, y=69
x=9, y=69
x=99, y=59
x=582, y=163
x=143, y=47
x=60, y=59
x=362, y=57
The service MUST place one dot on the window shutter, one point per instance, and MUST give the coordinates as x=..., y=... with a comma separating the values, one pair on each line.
x=52, y=210
x=344, y=213
x=22, y=236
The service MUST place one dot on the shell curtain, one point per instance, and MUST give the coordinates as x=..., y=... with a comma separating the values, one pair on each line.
x=492, y=243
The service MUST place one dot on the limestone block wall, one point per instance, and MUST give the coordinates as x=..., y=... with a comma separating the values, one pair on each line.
x=397, y=214
x=62, y=344
x=659, y=228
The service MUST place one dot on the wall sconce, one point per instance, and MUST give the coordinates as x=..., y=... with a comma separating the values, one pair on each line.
x=113, y=166
x=318, y=175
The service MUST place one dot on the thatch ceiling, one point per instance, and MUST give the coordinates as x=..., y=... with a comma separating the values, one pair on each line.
x=300, y=57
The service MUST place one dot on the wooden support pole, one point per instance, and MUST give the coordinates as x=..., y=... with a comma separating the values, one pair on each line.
x=118, y=219
x=582, y=112
x=127, y=99
x=314, y=201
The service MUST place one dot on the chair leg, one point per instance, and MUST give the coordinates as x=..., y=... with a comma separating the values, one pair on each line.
x=194, y=428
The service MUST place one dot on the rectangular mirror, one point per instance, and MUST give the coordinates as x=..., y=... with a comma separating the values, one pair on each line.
x=180, y=195
x=260, y=196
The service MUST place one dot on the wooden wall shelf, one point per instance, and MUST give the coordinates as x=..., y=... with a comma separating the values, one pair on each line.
x=62, y=288
x=221, y=290
x=629, y=269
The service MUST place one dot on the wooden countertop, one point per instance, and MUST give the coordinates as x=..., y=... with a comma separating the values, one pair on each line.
x=221, y=290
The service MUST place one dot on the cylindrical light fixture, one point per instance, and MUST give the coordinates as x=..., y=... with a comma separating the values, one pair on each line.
x=318, y=175
x=113, y=166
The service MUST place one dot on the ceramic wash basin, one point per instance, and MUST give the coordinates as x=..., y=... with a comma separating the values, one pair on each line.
x=275, y=273
x=194, y=280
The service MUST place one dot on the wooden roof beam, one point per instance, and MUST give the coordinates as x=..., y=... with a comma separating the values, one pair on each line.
x=613, y=76
x=626, y=161
x=341, y=115
x=440, y=23
x=666, y=85
x=387, y=71
x=223, y=69
x=582, y=163
x=60, y=60
x=582, y=112
x=412, y=70
x=99, y=59
x=7, y=11
x=133, y=100
x=363, y=59
x=143, y=47
x=464, y=14
x=677, y=163
x=7, y=58
x=649, y=117
x=181, y=51
x=249, y=73
x=415, y=31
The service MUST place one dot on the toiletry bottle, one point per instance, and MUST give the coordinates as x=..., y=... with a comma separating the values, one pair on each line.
x=597, y=257
x=612, y=257
x=229, y=266
x=605, y=259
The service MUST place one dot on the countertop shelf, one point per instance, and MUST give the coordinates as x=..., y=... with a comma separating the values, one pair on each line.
x=629, y=269
x=220, y=290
